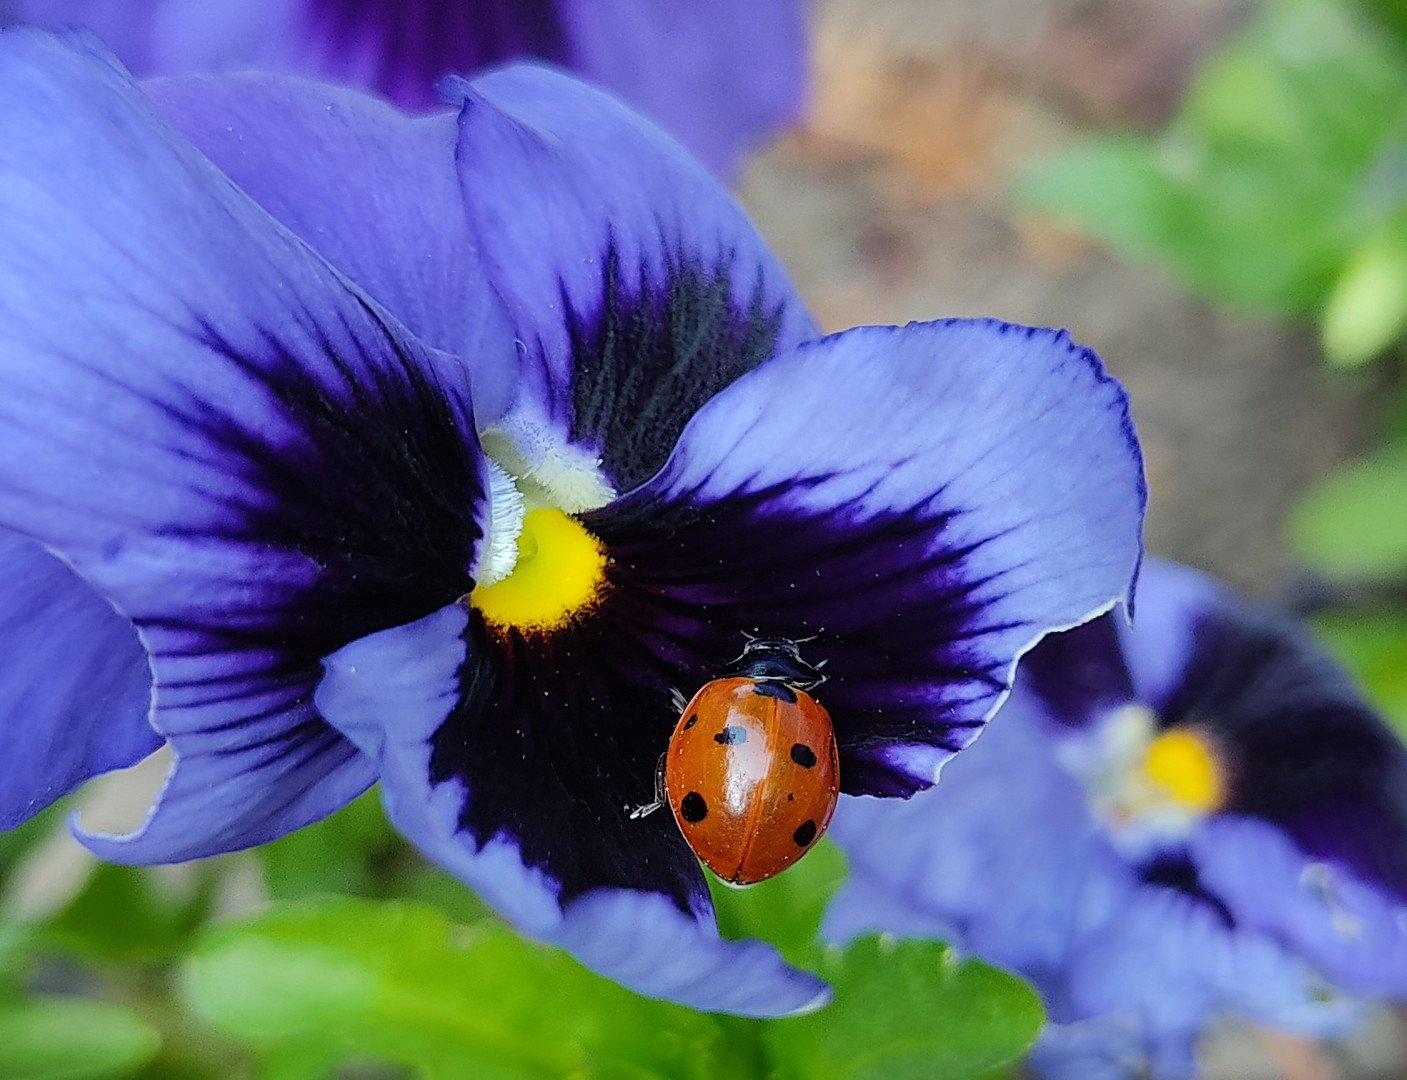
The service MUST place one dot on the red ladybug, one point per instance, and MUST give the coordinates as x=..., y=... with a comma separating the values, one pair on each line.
x=751, y=772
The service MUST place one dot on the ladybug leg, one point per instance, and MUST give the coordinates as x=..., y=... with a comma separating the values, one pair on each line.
x=646, y=809
x=678, y=700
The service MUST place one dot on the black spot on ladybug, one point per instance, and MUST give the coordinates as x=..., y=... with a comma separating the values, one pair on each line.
x=691, y=721
x=731, y=735
x=771, y=688
x=805, y=832
x=790, y=797
x=803, y=755
x=693, y=809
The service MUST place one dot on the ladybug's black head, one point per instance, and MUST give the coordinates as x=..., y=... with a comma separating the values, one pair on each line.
x=778, y=659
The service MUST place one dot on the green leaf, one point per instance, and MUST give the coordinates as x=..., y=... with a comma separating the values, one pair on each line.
x=1285, y=158
x=1373, y=646
x=355, y=852
x=1392, y=16
x=1353, y=524
x=16, y=843
x=785, y=910
x=338, y=854
x=16, y=954
x=330, y=978
x=1367, y=309
x=125, y=914
x=1110, y=187
x=57, y=1038
x=908, y=1009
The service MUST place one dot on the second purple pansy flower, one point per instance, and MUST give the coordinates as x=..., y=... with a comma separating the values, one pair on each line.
x=721, y=75
x=261, y=517
x=1194, y=817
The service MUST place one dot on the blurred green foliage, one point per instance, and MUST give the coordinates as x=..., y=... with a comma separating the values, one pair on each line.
x=1281, y=185
x=46, y=1037
x=1352, y=526
x=1282, y=182
x=354, y=968
x=397, y=980
x=1351, y=531
x=1374, y=647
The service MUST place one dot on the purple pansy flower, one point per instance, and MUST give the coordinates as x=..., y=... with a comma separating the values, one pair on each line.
x=337, y=446
x=721, y=75
x=1198, y=815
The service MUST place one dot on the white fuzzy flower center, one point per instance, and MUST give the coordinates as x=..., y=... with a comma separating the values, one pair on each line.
x=1147, y=786
x=540, y=566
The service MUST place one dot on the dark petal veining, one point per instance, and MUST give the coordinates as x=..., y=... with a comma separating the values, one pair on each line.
x=874, y=489
x=373, y=191
x=645, y=360
x=587, y=705
x=413, y=699
x=276, y=468
x=645, y=272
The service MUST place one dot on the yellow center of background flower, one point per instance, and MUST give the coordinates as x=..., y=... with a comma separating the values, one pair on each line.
x=560, y=571
x=1184, y=766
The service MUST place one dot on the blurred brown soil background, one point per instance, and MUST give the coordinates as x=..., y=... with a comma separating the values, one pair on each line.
x=891, y=203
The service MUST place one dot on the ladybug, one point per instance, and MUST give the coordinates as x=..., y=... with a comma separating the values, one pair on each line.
x=751, y=771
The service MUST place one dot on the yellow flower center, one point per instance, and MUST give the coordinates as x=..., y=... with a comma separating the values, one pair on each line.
x=560, y=572
x=1183, y=764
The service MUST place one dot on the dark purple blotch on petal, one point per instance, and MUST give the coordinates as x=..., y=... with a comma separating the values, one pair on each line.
x=1176, y=870
x=417, y=44
x=892, y=612
x=1081, y=672
x=378, y=492
x=1318, y=762
x=590, y=705
x=555, y=739
x=649, y=358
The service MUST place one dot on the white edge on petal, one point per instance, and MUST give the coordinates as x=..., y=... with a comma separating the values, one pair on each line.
x=1126, y=600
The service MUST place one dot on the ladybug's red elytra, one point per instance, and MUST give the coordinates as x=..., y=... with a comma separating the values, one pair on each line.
x=751, y=772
